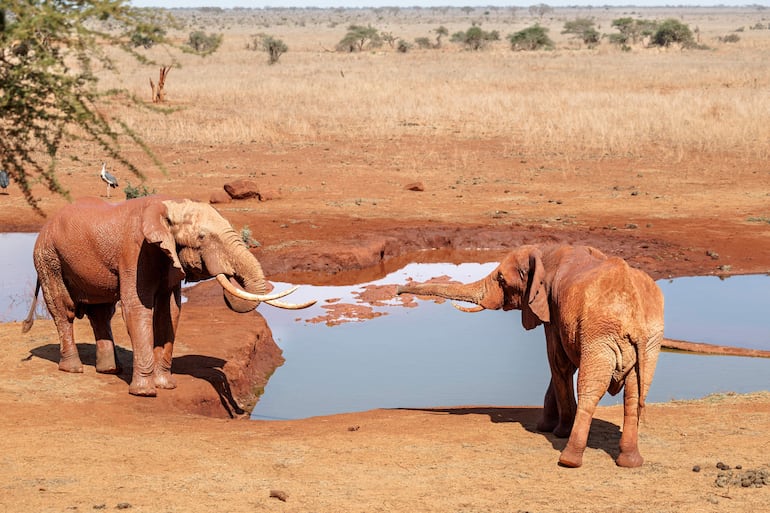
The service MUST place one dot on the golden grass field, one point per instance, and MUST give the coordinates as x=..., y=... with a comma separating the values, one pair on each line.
x=572, y=101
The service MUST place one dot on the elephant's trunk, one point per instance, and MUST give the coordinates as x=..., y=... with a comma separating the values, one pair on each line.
x=471, y=292
x=247, y=271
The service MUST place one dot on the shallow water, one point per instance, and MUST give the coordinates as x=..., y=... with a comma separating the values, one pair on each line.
x=434, y=355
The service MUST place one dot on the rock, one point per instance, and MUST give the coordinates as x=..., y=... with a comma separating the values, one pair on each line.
x=220, y=197
x=415, y=186
x=242, y=189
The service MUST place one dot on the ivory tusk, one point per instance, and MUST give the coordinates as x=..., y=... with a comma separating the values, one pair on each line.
x=471, y=309
x=237, y=292
x=289, y=306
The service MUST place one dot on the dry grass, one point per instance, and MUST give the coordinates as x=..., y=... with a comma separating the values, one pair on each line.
x=572, y=101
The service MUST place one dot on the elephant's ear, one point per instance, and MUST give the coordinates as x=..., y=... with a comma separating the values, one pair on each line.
x=535, y=311
x=156, y=229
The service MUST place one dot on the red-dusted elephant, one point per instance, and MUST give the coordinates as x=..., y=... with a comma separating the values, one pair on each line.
x=92, y=254
x=599, y=315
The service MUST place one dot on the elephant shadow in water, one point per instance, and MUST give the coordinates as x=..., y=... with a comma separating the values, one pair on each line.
x=207, y=368
x=603, y=435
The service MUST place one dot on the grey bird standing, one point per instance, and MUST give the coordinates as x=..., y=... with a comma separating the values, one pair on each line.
x=4, y=180
x=107, y=178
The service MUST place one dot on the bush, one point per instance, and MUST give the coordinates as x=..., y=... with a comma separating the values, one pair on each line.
x=204, y=44
x=474, y=38
x=274, y=47
x=138, y=191
x=730, y=38
x=583, y=29
x=531, y=38
x=358, y=38
x=673, y=31
x=423, y=42
x=147, y=35
x=403, y=46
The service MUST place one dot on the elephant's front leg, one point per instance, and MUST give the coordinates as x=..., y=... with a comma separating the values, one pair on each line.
x=139, y=323
x=559, y=403
x=165, y=322
x=100, y=317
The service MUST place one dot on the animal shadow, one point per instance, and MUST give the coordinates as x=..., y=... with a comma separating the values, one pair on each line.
x=207, y=368
x=603, y=435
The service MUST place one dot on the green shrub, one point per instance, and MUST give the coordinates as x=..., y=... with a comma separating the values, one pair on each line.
x=672, y=31
x=403, y=46
x=531, y=38
x=359, y=38
x=274, y=47
x=475, y=38
x=583, y=29
x=138, y=191
x=204, y=44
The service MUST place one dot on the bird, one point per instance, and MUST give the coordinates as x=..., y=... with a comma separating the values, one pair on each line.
x=107, y=178
x=4, y=179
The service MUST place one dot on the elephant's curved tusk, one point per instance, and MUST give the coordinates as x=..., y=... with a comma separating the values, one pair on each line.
x=289, y=306
x=240, y=293
x=470, y=309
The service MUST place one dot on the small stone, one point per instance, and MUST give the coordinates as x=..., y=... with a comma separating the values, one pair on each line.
x=696, y=468
x=279, y=494
x=415, y=186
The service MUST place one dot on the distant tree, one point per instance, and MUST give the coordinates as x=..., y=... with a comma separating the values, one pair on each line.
x=204, y=44
x=267, y=43
x=423, y=42
x=359, y=37
x=672, y=31
x=531, y=38
x=440, y=32
x=631, y=30
x=475, y=38
x=146, y=35
x=48, y=90
x=540, y=10
x=583, y=29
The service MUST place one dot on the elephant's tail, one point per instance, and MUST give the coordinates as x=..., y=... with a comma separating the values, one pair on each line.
x=27, y=324
x=711, y=349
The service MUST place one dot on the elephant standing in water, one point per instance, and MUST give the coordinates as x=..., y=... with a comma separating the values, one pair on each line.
x=600, y=316
x=92, y=254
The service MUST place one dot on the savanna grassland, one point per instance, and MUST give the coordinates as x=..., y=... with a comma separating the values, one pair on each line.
x=659, y=155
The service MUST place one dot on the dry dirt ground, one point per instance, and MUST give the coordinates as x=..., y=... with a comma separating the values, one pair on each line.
x=341, y=212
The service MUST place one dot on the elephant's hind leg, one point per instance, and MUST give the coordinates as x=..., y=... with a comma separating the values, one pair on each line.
x=629, y=440
x=100, y=317
x=62, y=310
x=593, y=379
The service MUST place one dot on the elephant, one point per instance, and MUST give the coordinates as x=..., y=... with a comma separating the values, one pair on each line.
x=91, y=254
x=599, y=316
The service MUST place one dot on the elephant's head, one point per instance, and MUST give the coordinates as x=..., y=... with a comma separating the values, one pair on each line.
x=201, y=244
x=519, y=283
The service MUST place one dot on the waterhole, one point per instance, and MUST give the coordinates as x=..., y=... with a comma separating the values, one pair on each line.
x=361, y=348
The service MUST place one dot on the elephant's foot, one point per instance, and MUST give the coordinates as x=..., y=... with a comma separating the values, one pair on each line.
x=560, y=430
x=106, y=360
x=71, y=363
x=142, y=386
x=571, y=457
x=164, y=380
x=630, y=459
